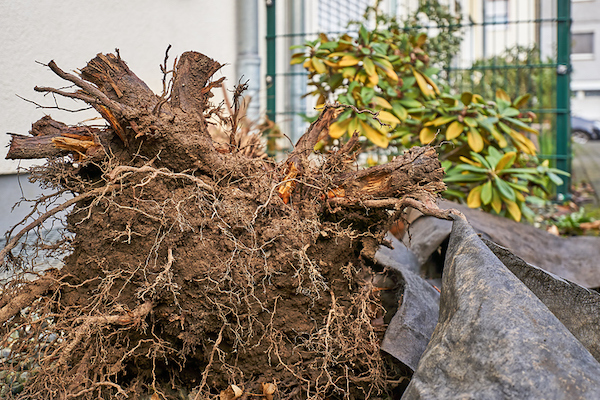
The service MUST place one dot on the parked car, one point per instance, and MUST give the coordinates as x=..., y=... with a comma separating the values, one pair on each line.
x=583, y=130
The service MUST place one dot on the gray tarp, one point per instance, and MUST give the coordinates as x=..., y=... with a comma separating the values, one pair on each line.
x=411, y=327
x=574, y=258
x=495, y=339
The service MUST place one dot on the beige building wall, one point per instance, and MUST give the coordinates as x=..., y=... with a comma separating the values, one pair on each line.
x=72, y=32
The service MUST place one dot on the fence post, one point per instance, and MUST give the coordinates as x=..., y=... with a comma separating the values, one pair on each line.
x=271, y=60
x=563, y=93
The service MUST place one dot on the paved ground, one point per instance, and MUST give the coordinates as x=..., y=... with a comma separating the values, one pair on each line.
x=586, y=164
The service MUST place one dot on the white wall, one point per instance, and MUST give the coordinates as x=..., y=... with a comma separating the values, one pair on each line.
x=72, y=32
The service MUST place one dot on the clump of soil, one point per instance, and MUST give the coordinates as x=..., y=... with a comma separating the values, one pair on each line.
x=194, y=271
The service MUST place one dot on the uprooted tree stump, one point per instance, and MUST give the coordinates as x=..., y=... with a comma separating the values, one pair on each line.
x=199, y=270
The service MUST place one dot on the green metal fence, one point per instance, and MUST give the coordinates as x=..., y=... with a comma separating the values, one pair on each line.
x=520, y=46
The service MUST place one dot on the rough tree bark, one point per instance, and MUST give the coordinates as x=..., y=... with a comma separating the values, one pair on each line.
x=185, y=259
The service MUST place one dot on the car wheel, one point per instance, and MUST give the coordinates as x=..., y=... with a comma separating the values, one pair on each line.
x=580, y=137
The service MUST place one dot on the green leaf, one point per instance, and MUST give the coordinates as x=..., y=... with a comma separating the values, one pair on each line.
x=410, y=103
x=380, y=48
x=344, y=115
x=488, y=123
x=472, y=168
x=471, y=122
x=521, y=125
x=505, y=190
x=510, y=112
x=335, y=81
x=465, y=178
x=364, y=35
x=554, y=178
x=559, y=171
x=399, y=110
x=329, y=45
x=481, y=159
x=486, y=193
x=466, y=98
x=520, y=188
x=454, y=193
x=366, y=94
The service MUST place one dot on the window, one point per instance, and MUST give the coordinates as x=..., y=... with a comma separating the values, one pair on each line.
x=496, y=12
x=583, y=44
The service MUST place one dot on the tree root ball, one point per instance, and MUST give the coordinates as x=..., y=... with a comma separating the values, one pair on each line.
x=196, y=273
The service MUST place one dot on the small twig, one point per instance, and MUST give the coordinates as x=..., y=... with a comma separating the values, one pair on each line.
x=78, y=96
x=89, y=88
x=163, y=69
x=375, y=114
x=52, y=107
x=10, y=245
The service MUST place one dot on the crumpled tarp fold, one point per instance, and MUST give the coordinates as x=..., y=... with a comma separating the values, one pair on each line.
x=495, y=338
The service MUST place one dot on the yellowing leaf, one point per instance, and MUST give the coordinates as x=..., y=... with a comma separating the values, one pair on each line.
x=422, y=84
x=353, y=125
x=513, y=209
x=373, y=135
x=468, y=161
x=362, y=76
x=499, y=138
x=432, y=83
x=506, y=161
x=337, y=129
x=369, y=66
x=388, y=117
x=381, y=102
x=519, y=196
x=387, y=68
x=348, y=61
x=373, y=80
x=331, y=63
x=297, y=60
x=349, y=72
x=502, y=95
x=475, y=140
x=321, y=100
x=523, y=143
x=496, y=201
x=454, y=130
x=532, y=150
x=474, y=197
x=421, y=39
x=319, y=66
x=308, y=65
x=427, y=135
x=441, y=120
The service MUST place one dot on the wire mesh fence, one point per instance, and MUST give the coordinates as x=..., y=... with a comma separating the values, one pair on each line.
x=521, y=47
